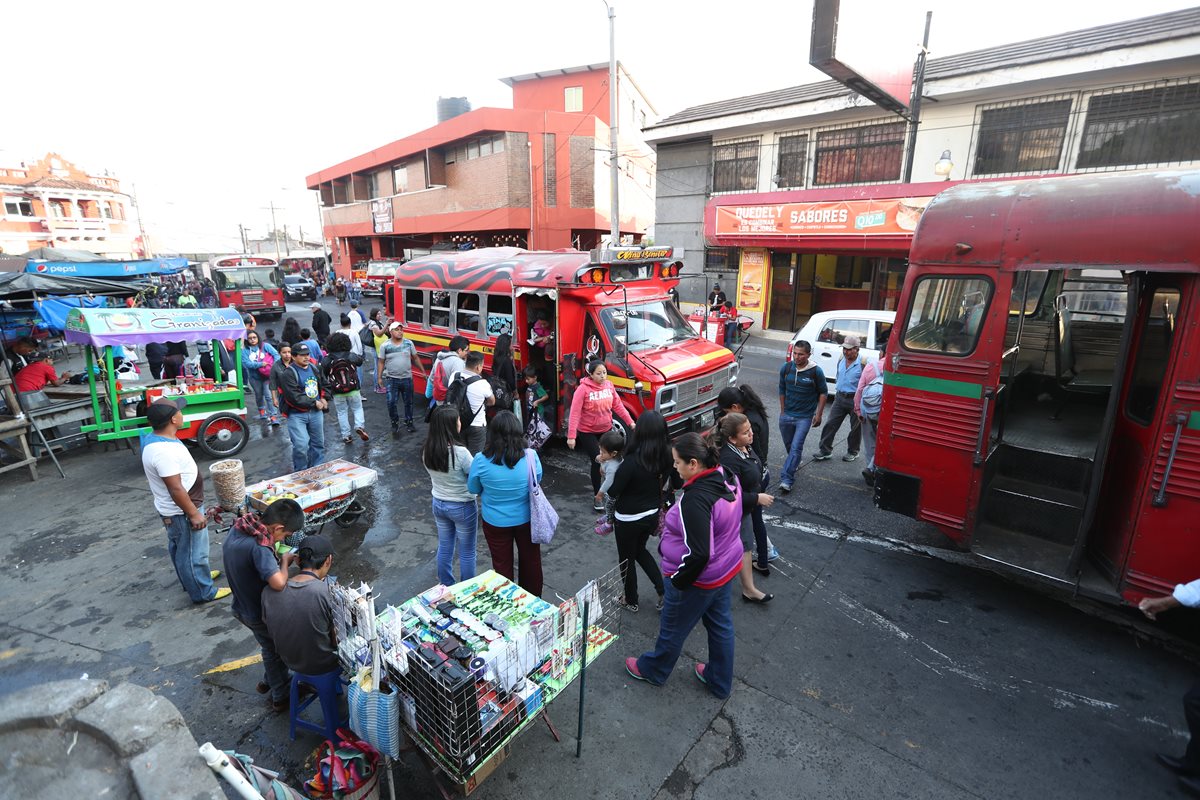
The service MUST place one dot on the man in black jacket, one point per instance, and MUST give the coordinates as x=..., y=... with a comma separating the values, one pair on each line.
x=305, y=395
x=320, y=323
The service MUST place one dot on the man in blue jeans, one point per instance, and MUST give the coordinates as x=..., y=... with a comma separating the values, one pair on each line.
x=177, y=486
x=802, y=391
x=396, y=360
x=306, y=397
x=250, y=561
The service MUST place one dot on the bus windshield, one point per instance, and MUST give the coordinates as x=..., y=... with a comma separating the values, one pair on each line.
x=656, y=323
x=237, y=278
x=384, y=270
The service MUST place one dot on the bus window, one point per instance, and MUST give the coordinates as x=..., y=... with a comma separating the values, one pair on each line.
x=836, y=330
x=1153, y=356
x=467, y=313
x=499, y=315
x=439, y=309
x=414, y=307
x=947, y=314
x=1096, y=295
x=1032, y=297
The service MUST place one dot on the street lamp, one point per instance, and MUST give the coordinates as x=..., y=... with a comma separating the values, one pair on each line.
x=943, y=166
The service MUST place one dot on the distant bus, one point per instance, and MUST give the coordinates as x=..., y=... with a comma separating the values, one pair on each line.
x=252, y=283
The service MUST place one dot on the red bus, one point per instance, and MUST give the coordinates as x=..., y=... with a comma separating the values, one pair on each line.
x=1042, y=387
x=610, y=305
x=251, y=283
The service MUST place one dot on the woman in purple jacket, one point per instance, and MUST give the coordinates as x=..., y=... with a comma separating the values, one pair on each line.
x=701, y=552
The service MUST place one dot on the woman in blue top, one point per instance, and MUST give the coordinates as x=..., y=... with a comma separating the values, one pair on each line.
x=500, y=476
x=256, y=354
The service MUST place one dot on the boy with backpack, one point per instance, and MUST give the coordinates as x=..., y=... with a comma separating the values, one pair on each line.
x=471, y=395
x=868, y=401
x=449, y=363
x=340, y=369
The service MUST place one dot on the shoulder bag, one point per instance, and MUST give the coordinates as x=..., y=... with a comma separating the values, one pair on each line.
x=543, y=519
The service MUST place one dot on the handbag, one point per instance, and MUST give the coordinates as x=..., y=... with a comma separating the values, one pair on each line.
x=347, y=771
x=537, y=431
x=543, y=519
x=376, y=716
x=264, y=368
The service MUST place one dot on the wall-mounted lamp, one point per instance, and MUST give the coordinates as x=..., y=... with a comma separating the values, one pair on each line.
x=944, y=166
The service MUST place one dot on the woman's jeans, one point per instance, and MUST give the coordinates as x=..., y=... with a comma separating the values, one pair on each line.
x=793, y=430
x=682, y=609
x=457, y=523
x=262, y=394
x=347, y=406
x=631, y=552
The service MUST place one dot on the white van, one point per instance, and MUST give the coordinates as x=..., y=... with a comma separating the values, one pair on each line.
x=826, y=331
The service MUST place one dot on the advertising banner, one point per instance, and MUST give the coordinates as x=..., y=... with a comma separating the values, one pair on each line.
x=842, y=217
x=102, y=326
x=750, y=280
x=381, y=215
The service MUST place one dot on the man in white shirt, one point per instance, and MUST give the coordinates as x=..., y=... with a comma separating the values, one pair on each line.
x=356, y=317
x=178, y=490
x=1187, y=767
x=479, y=396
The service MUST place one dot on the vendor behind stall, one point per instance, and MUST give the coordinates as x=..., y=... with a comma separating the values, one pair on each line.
x=36, y=376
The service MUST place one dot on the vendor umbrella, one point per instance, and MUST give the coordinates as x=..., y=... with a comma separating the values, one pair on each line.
x=23, y=285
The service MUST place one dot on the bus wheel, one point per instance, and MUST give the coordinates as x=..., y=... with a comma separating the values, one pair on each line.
x=223, y=435
x=620, y=427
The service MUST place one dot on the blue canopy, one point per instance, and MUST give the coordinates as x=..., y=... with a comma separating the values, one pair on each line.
x=109, y=269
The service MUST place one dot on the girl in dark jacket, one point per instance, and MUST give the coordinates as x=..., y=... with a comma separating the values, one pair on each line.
x=504, y=374
x=734, y=437
x=744, y=400
x=644, y=483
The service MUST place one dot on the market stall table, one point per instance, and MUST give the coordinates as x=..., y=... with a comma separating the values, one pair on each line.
x=326, y=491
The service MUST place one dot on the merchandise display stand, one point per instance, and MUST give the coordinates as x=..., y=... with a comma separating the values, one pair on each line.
x=477, y=663
x=325, y=492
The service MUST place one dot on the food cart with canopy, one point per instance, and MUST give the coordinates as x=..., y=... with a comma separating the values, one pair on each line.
x=215, y=415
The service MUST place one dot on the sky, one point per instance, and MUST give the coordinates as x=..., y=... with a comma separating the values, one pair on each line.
x=213, y=112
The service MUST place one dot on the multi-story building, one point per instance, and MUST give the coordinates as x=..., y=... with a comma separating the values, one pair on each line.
x=794, y=197
x=535, y=175
x=53, y=203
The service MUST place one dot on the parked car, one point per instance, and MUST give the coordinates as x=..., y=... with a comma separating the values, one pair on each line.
x=298, y=287
x=826, y=331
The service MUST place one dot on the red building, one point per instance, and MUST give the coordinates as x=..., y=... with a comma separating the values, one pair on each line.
x=535, y=175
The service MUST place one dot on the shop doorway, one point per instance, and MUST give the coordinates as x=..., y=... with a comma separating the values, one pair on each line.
x=792, y=276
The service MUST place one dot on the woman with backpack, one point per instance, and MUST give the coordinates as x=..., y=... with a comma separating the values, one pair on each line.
x=500, y=476
x=701, y=555
x=258, y=359
x=868, y=402
x=449, y=466
x=340, y=368
x=592, y=409
x=504, y=373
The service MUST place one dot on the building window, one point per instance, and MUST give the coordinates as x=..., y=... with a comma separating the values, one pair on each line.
x=372, y=185
x=106, y=210
x=58, y=209
x=17, y=207
x=573, y=98
x=859, y=155
x=498, y=143
x=735, y=167
x=793, y=152
x=399, y=179
x=1022, y=138
x=721, y=260
x=1154, y=125
x=549, y=170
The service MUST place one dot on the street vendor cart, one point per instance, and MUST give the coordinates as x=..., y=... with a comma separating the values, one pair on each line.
x=215, y=415
x=325, y=492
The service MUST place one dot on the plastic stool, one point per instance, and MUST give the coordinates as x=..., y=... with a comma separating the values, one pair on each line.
x=328, y=686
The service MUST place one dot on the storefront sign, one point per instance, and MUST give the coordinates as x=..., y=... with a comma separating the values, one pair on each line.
x=102, y=326
x=750, y=280
x=381, y=215
x=844, y=217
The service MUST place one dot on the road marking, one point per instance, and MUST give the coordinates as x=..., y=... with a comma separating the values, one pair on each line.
x=10, y=652
x=230, y=666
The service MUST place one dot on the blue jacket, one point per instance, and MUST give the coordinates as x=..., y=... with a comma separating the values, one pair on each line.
x=503, y=491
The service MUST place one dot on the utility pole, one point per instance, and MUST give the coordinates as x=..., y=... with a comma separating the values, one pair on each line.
x=287, y=246
x=615, y=171
x=274, y=230
x=146, y=252
x=242, y=231
x=914, y=116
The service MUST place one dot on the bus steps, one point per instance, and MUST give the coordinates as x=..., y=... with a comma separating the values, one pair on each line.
x=1044, y=512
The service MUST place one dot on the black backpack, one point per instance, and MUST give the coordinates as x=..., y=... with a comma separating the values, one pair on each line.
x=456, y=397
x=342, y=376
x=366, y=337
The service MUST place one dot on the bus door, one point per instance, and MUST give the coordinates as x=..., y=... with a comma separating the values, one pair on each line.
x=1147, y=532
x=940, y=385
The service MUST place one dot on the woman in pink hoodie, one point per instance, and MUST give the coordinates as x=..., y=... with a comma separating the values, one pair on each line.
x=592, y=410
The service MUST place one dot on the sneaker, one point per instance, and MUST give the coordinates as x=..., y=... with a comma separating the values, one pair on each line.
x=772, y=553
x=658, y=604
x=216, y=573
x=604, y=529
x=632, y=669
x=395, y=426
x=869, y=477
x=822, y=456
x=700, y=667
x=347, y=439
x=597, y=506
x=221, y=594
x=274, y=421
x=262, y=415
x=630, y=607
x=380, y=390
x=784, y=488
x=408, y=426
x=850, y=457
x=362, y=434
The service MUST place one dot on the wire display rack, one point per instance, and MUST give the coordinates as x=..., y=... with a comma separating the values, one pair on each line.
x=476, y=664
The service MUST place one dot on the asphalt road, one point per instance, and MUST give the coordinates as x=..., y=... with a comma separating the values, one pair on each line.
x=878, y=670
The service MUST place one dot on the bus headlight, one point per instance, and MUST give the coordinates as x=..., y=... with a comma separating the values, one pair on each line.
x=274, y=302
